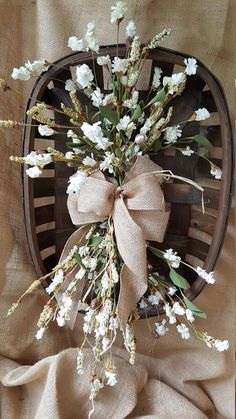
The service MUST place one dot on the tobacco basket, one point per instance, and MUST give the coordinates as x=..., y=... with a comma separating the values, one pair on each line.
x=197, y=237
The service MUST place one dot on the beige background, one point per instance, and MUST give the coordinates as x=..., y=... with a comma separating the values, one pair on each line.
x=171, y=379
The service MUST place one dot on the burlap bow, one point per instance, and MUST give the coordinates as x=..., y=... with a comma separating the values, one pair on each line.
x=139, y=213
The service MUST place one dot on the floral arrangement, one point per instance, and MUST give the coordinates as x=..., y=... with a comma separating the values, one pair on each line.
x=103, y=271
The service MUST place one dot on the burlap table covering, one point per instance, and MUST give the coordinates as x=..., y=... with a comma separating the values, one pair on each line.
x=171, y=378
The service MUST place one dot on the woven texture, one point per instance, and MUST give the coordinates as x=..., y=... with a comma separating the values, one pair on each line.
x=171, y=378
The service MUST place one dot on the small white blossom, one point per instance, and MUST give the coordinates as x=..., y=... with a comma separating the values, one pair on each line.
x=158, y=38
x=96, y=385
x=45, y=130
x=105, y=343
x=71, y=134
x=57, y=280
x=132, y=102
x=40, y=333
x=189, y=315
x=154, y=299
x=130, y=29
x=175, y=82
x=20, y=73
x=90, y=37
x=201, y=114
x=80, y=274
x=172, y=134
x=37, y=67
x=120, y=65
x=69, y=155
x=80, y=362
x=90, y=263
x=104, y=60
x=183, y=330
x=126, y=125
x=88, y=161
x=34, y=172
x=111, y=377
x=191, y=66
x=143, y=304
x=221, y=345
x=105, y=282
x=38, y=159
x=95, y=134
x=157, y=77
x=76, y=44
x=84, y=75
x=97, y=97
x=106, y=163
x=160, y=328
x=110, y=98
x=187, y=151
x=172, y=291
x=207, y=276
x=76, y=181
x=170, y=313
x=118, y=11
x=70, y=85
x=216, y=172
x=172, y=258
x=133, y=78
x=64, y=312
x=178, y=309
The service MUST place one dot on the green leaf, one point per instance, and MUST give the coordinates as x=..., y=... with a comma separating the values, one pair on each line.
x=177, y=279
x=118, y=152
x=95, y=241
x=194, y=308
x=141, y=104
x=157, y=145
x=203, y=141
x=108, y=113
x=73, y=145
x=160, y=96
x=156, y=252
x=78, y=259
x=137, y=113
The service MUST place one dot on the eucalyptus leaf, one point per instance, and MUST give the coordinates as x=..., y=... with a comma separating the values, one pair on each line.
x=194, y=308
x=159, y=97
x=203, y=141
x=178, y=279
x=95, y=241
x=109, y=114
x=156, y=252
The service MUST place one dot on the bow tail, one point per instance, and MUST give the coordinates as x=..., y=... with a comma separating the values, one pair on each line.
x=132, y=248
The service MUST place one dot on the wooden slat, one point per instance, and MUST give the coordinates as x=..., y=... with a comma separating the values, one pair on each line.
x=208, y=101
x=44, y=214
x=46, y=239
x=203, y=222
x=44, y=187
x=188, y=194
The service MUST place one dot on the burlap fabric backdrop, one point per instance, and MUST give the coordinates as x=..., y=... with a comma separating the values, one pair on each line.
x=171, y=379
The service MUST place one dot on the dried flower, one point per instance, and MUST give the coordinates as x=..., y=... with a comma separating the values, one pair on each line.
x=159, y=38
x=216, y=172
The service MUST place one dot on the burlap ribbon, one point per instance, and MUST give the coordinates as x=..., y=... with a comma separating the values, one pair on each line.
x=139, y=213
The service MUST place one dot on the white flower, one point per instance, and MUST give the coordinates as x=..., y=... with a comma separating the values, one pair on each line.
x=70, y=85
x=105, y=343
x=69, y=155
x=80, y=274
x=90, y=37
x=120, y=65
x=183, y=330
x=175, y=82
x=201, y=114
x=172, y=134
x=37, y=159
x=96, y=385
x=65, y=308
x=20, y=73
x=178, y=309
x=143, y=303
x=133, y=78
x=187, y=151
x=82, y=306
x=140, y=138
x=157, y=77
x=172, y=258
x=106, y=163
x=104, y=60
x=221, y=345
x=111, y=377
x=154, y=299
x=135, y=49
x=189, y=315
x=105, y=281
x=191, y=66
x=132, y=102
x=118, y=11
x=207, y=276
x=73, y=135
x=160, y=328
x=126, y=125
x=40, y=333
x=76, y=181
x=107, y=100
x=97, y=97
x=34, y=172
x=170, y=314
x=84, y=250
x=84, y=75
x=216, y=172
x=130, y=29
x=95, y=134
x=90, y=263
x=57, y=280
x=45, y=130
x=37, y=67
x=172, y=291
x=80, y=362
x=88, y=161
x=76, y=44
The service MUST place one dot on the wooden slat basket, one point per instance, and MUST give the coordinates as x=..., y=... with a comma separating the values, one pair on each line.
x=195, y=236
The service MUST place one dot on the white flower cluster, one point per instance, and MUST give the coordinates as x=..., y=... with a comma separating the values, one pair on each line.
x=201, y=114
x=45, y=130
x=80, y=362
x=207, y=276
x=95, y=386
x=95, y=134
x=187, y=151
x=84, y=75
x=219, y=345
x=172, y=258
x=38, y=161
x=172, y=134
x=130, y=29
x=35, y=68
x=118, y=11
x=111, y=377
x=65, y=308
x=57, y=280
x=76, y=181
x=103, y=318
x=156, y=81
x=175, y=83
x=99, y=99
x=107, y=162
x=89, y=42
x=126, y=125
x=160, y=328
